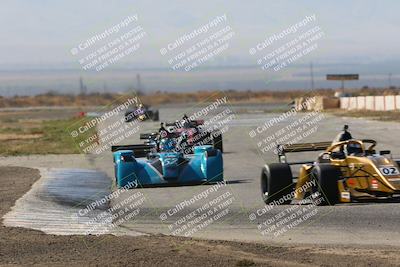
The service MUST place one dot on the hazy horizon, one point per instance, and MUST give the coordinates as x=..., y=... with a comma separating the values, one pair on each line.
x=39, y=37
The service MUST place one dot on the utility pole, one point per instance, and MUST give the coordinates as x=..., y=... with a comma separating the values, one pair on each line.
x=82, y=87
x=390, y=80
x=105, y=87
x=312, y=76
x=138, y=82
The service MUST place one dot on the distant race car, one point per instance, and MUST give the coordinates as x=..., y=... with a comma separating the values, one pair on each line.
x=142, y=113
x=346, y=171
x=187, y=135
x=166, y=167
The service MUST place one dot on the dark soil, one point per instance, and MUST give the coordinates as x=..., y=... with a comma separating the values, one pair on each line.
x=19, y=246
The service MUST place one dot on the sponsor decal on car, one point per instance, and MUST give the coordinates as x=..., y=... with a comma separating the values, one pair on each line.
x=374, y=184
x=345, y=195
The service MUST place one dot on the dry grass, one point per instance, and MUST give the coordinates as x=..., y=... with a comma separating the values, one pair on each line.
x=58, y=100
x=24, y=137
x=156, y=98
x=161, y=97
x=373, y=115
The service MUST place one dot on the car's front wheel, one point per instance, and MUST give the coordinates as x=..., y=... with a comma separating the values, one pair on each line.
x=326, y=179
x=277, y=183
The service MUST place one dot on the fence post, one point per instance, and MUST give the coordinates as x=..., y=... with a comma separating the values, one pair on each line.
x=374, y=104
x=365, y=102
x=384, y=103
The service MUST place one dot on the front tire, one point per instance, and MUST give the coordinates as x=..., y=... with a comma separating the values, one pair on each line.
x=326, y=177
x=277, y=183
x=129, y=117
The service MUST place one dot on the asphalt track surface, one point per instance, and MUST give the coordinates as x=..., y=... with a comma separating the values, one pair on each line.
x=358, y=223
x=352, y=224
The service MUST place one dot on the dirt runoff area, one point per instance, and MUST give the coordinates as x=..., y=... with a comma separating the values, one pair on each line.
x=19, y=246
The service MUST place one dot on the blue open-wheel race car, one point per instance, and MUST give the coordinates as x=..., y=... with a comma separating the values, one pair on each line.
x=139, y=165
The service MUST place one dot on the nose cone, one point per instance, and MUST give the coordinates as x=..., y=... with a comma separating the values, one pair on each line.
x=171, y=165
x=389, y=170
x=201, y=149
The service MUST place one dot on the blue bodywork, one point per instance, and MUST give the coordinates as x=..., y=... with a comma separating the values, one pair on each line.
x=175, y=168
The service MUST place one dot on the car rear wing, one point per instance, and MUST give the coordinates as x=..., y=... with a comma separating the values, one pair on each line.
x=139, y=151
x=193, y=123
x=146, y=136
x=302, y=147
x=171, y=123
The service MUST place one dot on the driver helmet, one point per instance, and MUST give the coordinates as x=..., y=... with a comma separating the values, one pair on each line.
x=353, y=148
x=185, y=124
x=167, y=144
x=163, y=134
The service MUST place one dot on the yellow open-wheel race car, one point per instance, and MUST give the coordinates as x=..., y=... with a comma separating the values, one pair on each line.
x=344, y=172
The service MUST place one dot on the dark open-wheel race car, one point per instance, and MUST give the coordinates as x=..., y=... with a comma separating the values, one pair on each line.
x=344, y=172
x=187, y=135
x=146, y=166
x=142, y=113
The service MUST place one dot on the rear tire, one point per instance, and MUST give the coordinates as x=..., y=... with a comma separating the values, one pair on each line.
x=217, y=141
x=326, y=177
x=156, y=116
x=276, y=183
x=144, y=136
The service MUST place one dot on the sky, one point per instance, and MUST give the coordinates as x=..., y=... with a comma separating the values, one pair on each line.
x=43, y=31
x=360, y=36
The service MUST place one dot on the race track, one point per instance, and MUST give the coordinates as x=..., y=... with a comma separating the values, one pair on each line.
x=358, y=223
x=240, y=199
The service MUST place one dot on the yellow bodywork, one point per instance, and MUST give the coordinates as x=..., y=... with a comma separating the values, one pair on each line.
x=362, y=176
x=142, y=117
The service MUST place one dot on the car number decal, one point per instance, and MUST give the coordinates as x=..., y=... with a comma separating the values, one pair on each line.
x=170, y=161
x=390, y=170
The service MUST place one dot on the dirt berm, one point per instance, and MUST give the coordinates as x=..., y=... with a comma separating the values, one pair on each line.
x=19, y=246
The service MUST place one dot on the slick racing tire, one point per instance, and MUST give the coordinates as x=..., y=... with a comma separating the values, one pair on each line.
x=277, y=183
x=129, y=117
x=155, y=115
x=217, y=141
x=326, y=177
x=144, y=136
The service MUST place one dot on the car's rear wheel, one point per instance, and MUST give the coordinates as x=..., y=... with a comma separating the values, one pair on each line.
x=277, y=183
x=326, y=177
x=217, y=141
x=155, y=116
